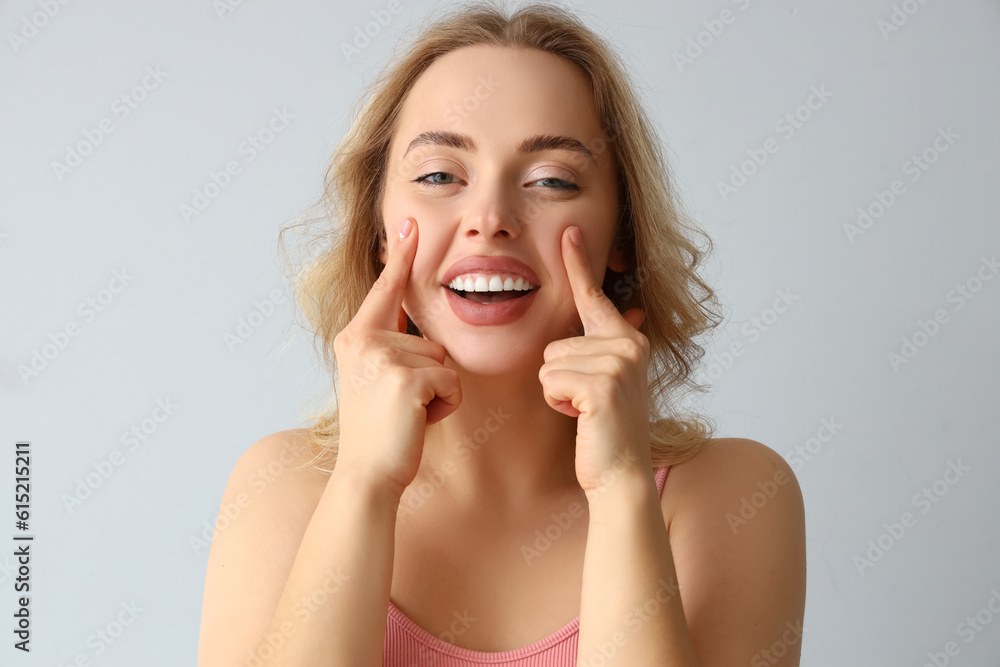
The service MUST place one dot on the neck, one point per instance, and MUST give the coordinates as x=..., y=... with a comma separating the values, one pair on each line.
x=504, y=448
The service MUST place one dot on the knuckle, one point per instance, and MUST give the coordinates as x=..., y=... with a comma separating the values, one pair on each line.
x=606, y=385
x=619, y=366
x=631, y=349
x=342, y=341
x=399, y=377
x=438, y=349
x=367, y=341
x=383, y=284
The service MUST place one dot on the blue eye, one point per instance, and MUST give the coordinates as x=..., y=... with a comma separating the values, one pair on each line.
x=423, y=179
x=566, y=185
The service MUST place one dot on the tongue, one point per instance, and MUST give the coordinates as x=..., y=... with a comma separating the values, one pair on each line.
x=493, y=297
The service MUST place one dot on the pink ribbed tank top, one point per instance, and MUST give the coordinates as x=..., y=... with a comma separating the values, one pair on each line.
x=409, y=645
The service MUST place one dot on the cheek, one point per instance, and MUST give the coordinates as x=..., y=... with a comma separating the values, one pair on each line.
x=393, y=213
x=430, y=213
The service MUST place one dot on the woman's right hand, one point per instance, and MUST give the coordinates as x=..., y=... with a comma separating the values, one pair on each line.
x=392, y=384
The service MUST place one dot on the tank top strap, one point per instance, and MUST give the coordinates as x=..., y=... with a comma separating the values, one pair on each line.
x=661, y=479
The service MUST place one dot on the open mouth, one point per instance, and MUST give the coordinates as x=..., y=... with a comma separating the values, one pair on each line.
x=492, y=297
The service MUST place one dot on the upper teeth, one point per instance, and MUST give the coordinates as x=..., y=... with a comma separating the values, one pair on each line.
x=489, y=284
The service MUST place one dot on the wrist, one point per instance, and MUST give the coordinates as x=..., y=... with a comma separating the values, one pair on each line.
x=630, y=487
x=364, y=489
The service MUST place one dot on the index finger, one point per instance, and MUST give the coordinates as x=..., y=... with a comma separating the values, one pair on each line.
x=383, y=306
x=598, y=313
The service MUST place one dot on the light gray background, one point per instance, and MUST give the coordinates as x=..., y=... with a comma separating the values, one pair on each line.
x=162, y=337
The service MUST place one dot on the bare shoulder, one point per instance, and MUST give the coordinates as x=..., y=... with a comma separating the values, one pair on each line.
x=266, y=507
x=724, y=470
x=289, y=450
x=736, y=520
x=278, y=465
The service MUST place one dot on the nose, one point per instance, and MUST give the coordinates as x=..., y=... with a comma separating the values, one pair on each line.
x=490, y=215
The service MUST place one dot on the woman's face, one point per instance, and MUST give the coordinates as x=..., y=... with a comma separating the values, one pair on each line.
x=483, y=184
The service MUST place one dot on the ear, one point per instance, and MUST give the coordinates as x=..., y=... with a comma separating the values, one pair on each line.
x=616, y=261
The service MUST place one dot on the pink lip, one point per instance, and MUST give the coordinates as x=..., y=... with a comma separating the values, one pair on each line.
x=490, y=264
x=489, y=314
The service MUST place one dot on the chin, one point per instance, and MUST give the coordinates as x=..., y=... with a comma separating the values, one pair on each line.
x=480, y=361
x=485, y=368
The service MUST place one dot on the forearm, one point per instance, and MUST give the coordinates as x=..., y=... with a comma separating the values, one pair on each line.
x=333, y=607
x=631, y=611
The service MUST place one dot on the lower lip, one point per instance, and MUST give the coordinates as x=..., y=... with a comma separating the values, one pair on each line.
x=489, y=314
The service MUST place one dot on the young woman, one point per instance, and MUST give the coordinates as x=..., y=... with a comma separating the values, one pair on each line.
x=510, y=304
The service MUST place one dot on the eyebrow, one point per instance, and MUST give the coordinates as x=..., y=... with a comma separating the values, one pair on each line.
x=533, y=144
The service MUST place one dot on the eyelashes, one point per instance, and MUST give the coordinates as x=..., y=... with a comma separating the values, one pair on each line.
x=563, y=184
x=566, y=185
x=423, y=179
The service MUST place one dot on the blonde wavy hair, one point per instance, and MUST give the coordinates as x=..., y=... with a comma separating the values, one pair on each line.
x=657, y=237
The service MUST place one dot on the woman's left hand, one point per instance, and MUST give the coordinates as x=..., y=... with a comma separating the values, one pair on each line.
x=600, y=378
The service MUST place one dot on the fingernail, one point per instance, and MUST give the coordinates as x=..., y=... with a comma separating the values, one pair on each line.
x=407, y=226
x=574, y=236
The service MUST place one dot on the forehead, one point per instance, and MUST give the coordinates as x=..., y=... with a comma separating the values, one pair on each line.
x=499, y=96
